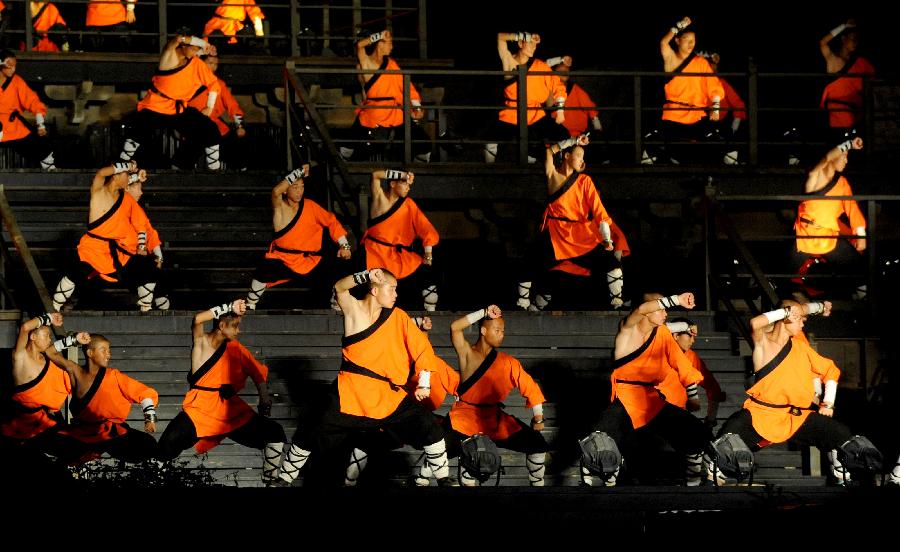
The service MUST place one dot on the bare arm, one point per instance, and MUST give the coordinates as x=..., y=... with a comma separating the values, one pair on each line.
x=343, y=286
x=685, y=300
x=506, y=58
x=664, y=48
x=814, y=181
x=282, y=187
x=101, y=175
x=463, y=348
x=238, y=307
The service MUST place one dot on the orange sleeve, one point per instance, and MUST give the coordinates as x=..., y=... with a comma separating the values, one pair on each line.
x=328, y=220
x=28, y=99
x=55, y=17
x=713, y=85
x=556, y=86
x=255, y=370
x=687, y=374
x=734, y=101
x=209, y=79
x=525, y=384
x=140, y=220
x=231, y=105
x=852, y=210
x=153, y=240
x=419, y=348
x=823, y=367
x=135, y=391
x=597, y=208
x=710, y=384
x=414, y=93
x=253, y=11
x=424, y=229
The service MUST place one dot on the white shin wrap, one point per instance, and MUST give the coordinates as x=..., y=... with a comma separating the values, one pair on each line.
x=145, y=295
x=490, y=153
x=358, y=461
x=430, y=298
x=524, y=299
x=128, y=149
x=541, y=300
x=837, y=469
x=64, y=290
x=436, y=458
x=345, y=152
x=588, y=479
x=212, y=157
x=271, y=461
x=694, y=469
x=535, y=465
x=294, y=460
x=161, y=303
x=48, y=163
x=466, y=479
x=614, y=279
x=422, y=478
x=257, y=288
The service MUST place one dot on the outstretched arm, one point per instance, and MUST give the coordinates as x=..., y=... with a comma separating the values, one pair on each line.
x=685, y=300
x=664, y=48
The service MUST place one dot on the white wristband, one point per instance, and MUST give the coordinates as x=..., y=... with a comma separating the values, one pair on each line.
x=39, y=119
x=375, y=37
x=815, y=308
x=735, y=124
x=238, y=119
x=474, y=317
x=554, y=61
x=147, y=403
x=817, y=387
x=122, y=166
x=861, y=231
x=211, y=99
x=394, y=174
x=669, y=302
x=220, y=310
x=295, y=175
x=424, y=379
x=197, y=41
x=342, y=241
x=830, y=392
x=133, y=177
x=605, y=231
x=838, y=30
x=538, y=410
x=778, y=314
x=845, y=146
x=130, y=6
x=429, y=249
x=678, y=327
x=692, y=391
x=596, y=124
x=158, y=252
x=674, y=30
x=416, y=103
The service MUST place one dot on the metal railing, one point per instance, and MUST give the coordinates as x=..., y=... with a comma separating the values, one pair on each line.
x=292, y=28
x=634, y=111
x=18, y=240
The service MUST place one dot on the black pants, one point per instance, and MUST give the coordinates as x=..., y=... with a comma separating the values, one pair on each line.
x=320, y=279
x=540, y=133
x=410, y=423
x=526, y=440
x=689, y=143
x=818, y=431
x=541, y=258
x=844, y=260
x=137, y=271
x=386, y=141
x=49, y=441
x=132, y=446
x=32, y=147
x=678, y=427
x=181, y=434
x=198, y=131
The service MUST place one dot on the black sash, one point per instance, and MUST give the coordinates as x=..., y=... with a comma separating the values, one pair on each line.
x=78, y=404
x=477, y=374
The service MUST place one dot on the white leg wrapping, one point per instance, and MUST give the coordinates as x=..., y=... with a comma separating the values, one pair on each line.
x=466, y=479
x=358, y=461
x=48, y=163
x=257, y=288
x=837, y=469
x=436, y=458
x=524, y=300
x=586, y=478
x=294, y=460
x=161, y=303
x=346, y=153
x=145, y=296
x=893, y=478
x=64, y=289
x=712, y=472
x=128, y=149
x=490, y=153
x=430, y=298
x=424, y=475
x=535, y=465
x=541, y=300
x=271, y=461
x=614, y=281
x=731, y=158
x=694, y=467
x=424, y=157
x=212, y=158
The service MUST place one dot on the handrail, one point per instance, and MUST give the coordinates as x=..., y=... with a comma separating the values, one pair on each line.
x=12, y=226
x=293, y=86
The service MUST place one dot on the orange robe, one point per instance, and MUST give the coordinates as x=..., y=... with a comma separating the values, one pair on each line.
x=225, y=103
x=444, y=381
x=100, y=415
x=709, y=384
x=385, y=90
x=379, y=361
x=786, y=387
x=732, y=103
x=139, y=219
x=619, y=244
x=299, y=244
x=15, y=97
x=229, y=18
x=479, y=408
x=636, y=376
x=172, y=89
x=572, y=217
x=390, y=237
x=539, y=87
x=35, y=401
x=47, y=17
x=111, y=240
x=847, y=93
x=821, y=218
x=224, y=373
x=693, y=91
x=104, y=13
x=577, y=119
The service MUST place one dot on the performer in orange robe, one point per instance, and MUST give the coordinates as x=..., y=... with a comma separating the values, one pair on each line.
x=16, y=132
x=234, y=149
x=576, y=228
x=843, y=97
x=45, y=17
x=115, y=245
x=212, y=409
x=101, y=401
x=229, y=17
x=780, y=405
x=297, y=249
x=646, y=355
x=382, y=347
x=395, y=223
x=180, y=76
x=381, y=116
x=685, y=333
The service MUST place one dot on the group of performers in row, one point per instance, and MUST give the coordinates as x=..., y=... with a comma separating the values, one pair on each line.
x=390, y=381
x=185, y=95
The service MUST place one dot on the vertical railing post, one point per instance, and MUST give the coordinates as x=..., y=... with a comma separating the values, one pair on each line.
x=288, y=104
x=638, y=132
x=871, y=232
x=868, y=120
x=163, y=24
x=29, y=29
x=295, y=28
x=522, y=112
x=753, y=112
x=423, y=31
x=357, y=14
x=407, y=120
x=709, y=233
